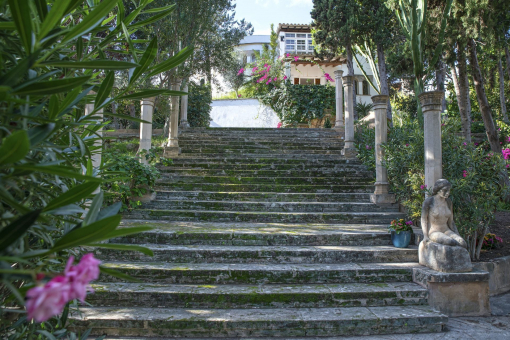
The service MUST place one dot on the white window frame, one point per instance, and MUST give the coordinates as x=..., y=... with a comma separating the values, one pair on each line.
x=295, y=47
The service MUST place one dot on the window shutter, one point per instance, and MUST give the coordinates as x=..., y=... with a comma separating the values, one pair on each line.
x=317, y=81
x=296, y=81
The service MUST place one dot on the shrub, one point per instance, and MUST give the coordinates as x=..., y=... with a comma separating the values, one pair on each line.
x=363, y=109
x=473, y=172
x=199, y=105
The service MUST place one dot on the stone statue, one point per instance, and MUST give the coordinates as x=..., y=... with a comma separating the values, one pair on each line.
x=442, y=248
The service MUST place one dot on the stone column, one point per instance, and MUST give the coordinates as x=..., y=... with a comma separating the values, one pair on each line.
x=287, y=70
x=172, y=148
x=97, y=154
x=349, y=149
x=339, y=96
x=431, y=108
x=184, y=109
x=146, y=128
x=381, y=194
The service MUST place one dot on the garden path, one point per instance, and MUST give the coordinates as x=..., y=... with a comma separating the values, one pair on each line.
x=262, y=233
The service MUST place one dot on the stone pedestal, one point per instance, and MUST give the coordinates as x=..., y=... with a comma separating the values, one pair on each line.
x=381, y=194
x=431, y=105
x=147, y=111
x=349, y=149
x=184, y=109
x=456, y=294
x=339, y=97
x=447, y=259
x=172, y=147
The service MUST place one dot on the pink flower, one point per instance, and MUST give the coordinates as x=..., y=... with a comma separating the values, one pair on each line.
x=423, y=187
x=279, y=125
x=275, y=79
x=476, y=144
x=442, y=124
x=265, y=65
x=407, y=144
x=80, y=275
x=508, y=165
x=254, y=69
x=464, y=173
x=238, y=96
x=241, y=71
x=368, y=147
x=287, y=55
x=296, y=58
x=49, y=300
x=328, y=77
x=508, y=140
x=464, y=143
x=284, y=77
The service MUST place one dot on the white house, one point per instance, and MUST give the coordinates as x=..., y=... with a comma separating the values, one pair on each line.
x=252, y=45
x=296, y=40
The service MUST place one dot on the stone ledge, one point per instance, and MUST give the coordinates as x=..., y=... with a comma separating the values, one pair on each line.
x=499, y=269
x=424, y=275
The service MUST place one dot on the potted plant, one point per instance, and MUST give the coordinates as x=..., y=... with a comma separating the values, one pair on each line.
x=401, y=232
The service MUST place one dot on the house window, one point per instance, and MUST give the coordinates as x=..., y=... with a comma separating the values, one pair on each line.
x=356, y=87
x=310, y=45
x=299, y=35
x=309, y=81
x=290, y=35
x=253, y=57
x=296, y=81
x=301, y=45
x=290, y=45
x=317, y=81
x=365, y=88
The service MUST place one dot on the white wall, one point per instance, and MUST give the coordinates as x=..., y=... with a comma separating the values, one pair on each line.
x=242, y=113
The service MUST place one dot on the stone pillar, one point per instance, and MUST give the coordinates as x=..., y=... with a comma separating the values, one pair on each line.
x=146, y=128
x=339, y=96
x=349, y=149
x=96, y=155
x=431, y=108
x=381, y=194
x=172, y=148
x=184, y=109
x=287, y=70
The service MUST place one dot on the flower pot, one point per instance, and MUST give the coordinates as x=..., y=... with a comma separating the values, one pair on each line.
x=402, y=239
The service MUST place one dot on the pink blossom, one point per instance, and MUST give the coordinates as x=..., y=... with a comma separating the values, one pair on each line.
x=275, y=79
x=241, y=71
x=284, y=77
x=423, y=187
x=238, y=96
x=464, y=173
x=328, y=77
x=279, y=125
x=407, y=144
x=296, y=58
x=464, y=143
x=265, y=65
x=81, y=274
x=368, y=147
x=46, y=301
x=508, y=165
x=254, y=69
x=508, y=140
x=287, y=55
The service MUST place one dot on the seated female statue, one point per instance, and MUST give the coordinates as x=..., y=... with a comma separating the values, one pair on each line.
x=437, y=217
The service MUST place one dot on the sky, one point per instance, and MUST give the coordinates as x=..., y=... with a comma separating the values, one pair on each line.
x=261, y=13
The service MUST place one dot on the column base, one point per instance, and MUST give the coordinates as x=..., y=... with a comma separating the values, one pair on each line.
x=456, y=294
x=382, y=199
x=184, y=124
x=171, y=151
x=350, y=152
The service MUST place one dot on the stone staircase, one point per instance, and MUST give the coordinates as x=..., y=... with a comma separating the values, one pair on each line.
x=261, y=233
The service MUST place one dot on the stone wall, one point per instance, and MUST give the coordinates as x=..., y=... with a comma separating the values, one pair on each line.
x=242, y=113
x=499, y=269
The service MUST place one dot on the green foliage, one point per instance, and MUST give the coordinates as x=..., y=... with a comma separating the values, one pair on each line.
x=327, y=124
x=363, y=109
x=473, y=171
x=300, y=103
x=49, y=207
x=405, y=104
x=199, y=105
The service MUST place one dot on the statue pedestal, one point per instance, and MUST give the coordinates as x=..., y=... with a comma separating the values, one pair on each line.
x=447, y=259
x=456, y=294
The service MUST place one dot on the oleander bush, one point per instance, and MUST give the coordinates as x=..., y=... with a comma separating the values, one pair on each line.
x=57, y=57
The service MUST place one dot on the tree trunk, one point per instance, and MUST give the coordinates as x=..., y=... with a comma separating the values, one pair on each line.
x=465, y=119
x=381, y=64
x=485, y=110
x=440, y=77
x=492, y=78
x=502, y=99
x=115, y=119
x=507, y=53
x=350, y=72
x=132, y=113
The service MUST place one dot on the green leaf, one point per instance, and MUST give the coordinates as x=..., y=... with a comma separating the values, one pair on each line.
x=42, y=9
x=20, y=12
x=126, y=117
x=79, y=48
x=130, y=43
x=94, y=232
x=152, y=93
x=105, y=89
x=16, y=229
x=118, y=274
x=73, y=5
x=73, y=195
x=98, y=64
x=109, y=211
x=19, y=71
x=147, y=59
x=7, y=198
x=14, y=147
x=73, y=98
x=153, y=19
x=172, y=62
x=90, y=21
x=7, y=25
x=159, y=9
x=40, y=133
x=53, y=86
x=128, y=231
x=57, y=171
x=55, y=16
x=47, y=334
x=124, y=247
x=94, y=208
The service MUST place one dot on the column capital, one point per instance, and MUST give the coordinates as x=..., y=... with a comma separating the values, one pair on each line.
x=176, y=81
x=338, y=74
x=348, y=80
x=149, y=101
x=380, y=101
x=431, y=101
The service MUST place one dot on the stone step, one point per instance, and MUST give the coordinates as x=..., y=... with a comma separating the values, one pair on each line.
x=262, y=151
x=372, y=217
x=314, y=161
x=265, y=166
x=257, y=296
x=282, y=322
x=282, y=143
x=256, y=234
x=168, y=204
x=228, y=171
x=249, y=157
x=181, y=179
x=261, y=273
x=264, y=254
x=263, y=196
x=268, y=187
x=272, y=145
